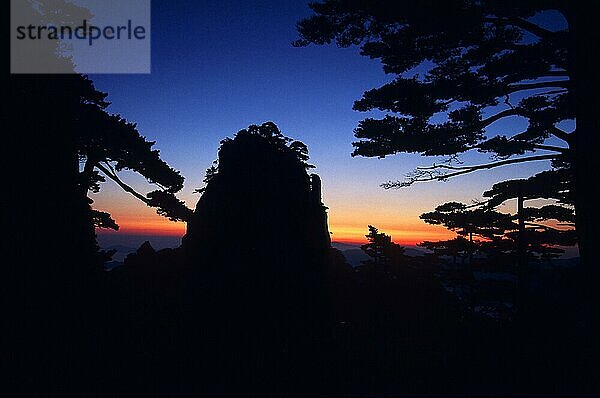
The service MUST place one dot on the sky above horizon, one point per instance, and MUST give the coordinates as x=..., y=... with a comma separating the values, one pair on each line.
x=221, y=66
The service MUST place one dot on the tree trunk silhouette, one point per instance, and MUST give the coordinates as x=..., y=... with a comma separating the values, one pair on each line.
x=522, y=263
x=521, y=248
x=582, y=55
x=51, y=233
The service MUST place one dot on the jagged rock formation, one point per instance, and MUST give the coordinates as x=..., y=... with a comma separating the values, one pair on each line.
x=258, y=249
x=260, y=205
x=244, y=303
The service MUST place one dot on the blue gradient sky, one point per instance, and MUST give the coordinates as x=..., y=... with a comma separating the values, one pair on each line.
x=218, y=67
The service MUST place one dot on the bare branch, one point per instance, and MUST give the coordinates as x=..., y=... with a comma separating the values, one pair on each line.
x=551, y=148
x=523, y=24
x=540, y=226
x=552, y=92
x=505, y=113
x=110, y=173
x=434, y=173
x=563, y=135
x=533, y=146
x=507, y=101
x=530, y=86
x=557, y=73
x=477, y=203
x=151, y=182
x=447, y=102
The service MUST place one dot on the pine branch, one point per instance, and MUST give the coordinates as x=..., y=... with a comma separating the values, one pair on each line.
x=533, y=146
x=487, y=165
x=433, y=173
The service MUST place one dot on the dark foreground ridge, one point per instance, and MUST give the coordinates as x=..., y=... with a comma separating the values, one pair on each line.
x=274, y=310
x=257, y=302
x=245, y=297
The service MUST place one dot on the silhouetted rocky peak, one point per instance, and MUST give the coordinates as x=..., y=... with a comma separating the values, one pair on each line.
x=145, y=249
x=260, y=200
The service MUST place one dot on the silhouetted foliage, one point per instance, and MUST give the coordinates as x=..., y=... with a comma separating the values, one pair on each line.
x=61, y=144
x=104, y=144
x=476, y=66
x=552, y=184
x=501, y=231
x=260, y=182
x=244, y=307
x=104, y=220
x=110, y=144
x=381, y=249
x=466, y=221
x=457, y=247
x=169, y=206
x=461, y=66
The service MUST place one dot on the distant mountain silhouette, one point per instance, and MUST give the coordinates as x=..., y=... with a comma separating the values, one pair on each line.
x=354, y=255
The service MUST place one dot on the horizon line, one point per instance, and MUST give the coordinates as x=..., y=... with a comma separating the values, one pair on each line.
x=177, y=234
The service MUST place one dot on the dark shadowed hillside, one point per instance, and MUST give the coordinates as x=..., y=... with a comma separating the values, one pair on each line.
x=252, y=311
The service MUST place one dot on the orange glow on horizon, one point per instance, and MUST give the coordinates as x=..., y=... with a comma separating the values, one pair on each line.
x=348, y=218
x=404, y=235
x=159, y=227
